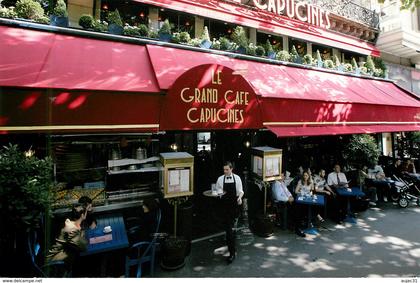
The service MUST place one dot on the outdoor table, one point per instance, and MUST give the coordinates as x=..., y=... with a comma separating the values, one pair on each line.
x=348, y=193
x=311, y=201
x=100, y=242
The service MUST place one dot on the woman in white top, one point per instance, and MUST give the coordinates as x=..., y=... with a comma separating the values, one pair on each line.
x=305, y=185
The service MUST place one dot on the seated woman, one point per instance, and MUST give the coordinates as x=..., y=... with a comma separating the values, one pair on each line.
x=145, y=225
x=71, y=240
x=305, y=185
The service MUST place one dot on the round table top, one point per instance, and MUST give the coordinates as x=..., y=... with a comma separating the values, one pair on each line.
x=208, y=193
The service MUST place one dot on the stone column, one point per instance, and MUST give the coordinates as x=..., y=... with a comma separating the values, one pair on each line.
x=309, y=48
x=253, y=35
x=154, y=19
x=76, y=8
x=285, y=42
x=198, y=26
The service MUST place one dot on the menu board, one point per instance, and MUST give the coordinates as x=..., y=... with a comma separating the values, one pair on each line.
x=272, y=166
x=178, y=180
x=258, y=165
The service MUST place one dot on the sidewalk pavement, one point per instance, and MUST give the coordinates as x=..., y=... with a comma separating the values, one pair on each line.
x=384, y=243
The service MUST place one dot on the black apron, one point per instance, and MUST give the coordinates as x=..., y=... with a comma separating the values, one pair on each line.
x=230, y=200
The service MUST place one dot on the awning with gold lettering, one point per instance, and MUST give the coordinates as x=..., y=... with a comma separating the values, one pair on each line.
x=290, y=101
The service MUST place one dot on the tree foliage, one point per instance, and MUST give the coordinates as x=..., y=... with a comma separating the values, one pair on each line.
x=361, y=150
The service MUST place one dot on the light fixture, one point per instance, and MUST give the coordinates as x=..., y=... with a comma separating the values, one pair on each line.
x=174, y=147
x=142, y=15
x=159, y=19
x=162, y=9
x=247, y=144
x=229, y=31
x=105, y=7
x=269, y=35
x=274, y=42
x=187, y=23
x=29, y=153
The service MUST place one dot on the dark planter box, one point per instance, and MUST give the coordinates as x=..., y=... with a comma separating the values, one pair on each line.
x=166, y=37
x=271, y=55
x=115, y=29
x=263, y=226
x=173, y=253
x=205, y=44
x=241, y=50
x=59, y=21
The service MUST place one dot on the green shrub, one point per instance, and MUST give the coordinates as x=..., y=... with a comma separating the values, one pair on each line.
x=354, y=63
x=348, y=67
x=29, y=9
x=294, y=55
x=184, y=37
x=225, y=43
x=166, y=28
x=153, y=33
x=43, y=20
x=269, y=47
x=205, y=35
x=283, y=55
x=216, y=44
x=361, y=150
x=195, y=42
x=378, y=73
x=143, y=30
x=131, y=31
x=60, y=9
x=87, y=21
x=307, y=59
x=364, y=70
x=329, y=64
x=370, y=66
x=7, y=12
x=318, y=58
x=380, y=64
x=115, y=18
x=100, y=26
x=251, y=49
x=336, y=61
x=239, y=37
x=260, y=51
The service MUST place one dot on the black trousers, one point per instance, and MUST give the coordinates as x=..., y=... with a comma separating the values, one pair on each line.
x=230, y=236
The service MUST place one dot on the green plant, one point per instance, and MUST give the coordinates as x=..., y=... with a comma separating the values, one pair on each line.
x=269, y=47
x=7, y=12
x=25, y=193
x=378, y=73
x=318, y=58
x=307, y=59
x=29, y=9
x=370, y=66
x=115, y=18
x=260, y=51
x=166, y=28
x=143, y=30
x=87, y=21
x=329, y=64
x=60, y=9
x=184, y=37
x=283, y=55
x=294, y=55
x=225, y=43
x=239, y=37
x=131, y=31
x=43, y=20
x=100, y=26
x=195, y=42
x=381, y=65
x=153, y=34
x=364, y=70
x=251, y=49
x=348, y=67
x=205, y=35
x=336, y=61
x=361, y=150
x=216, y=44
x=354, y=63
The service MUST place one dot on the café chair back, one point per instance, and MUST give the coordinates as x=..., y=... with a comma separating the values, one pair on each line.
x=51, y=269
x=143, y=252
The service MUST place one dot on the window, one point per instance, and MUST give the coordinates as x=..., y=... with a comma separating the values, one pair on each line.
x=326, y=52
x=275, y=40
x=131, y=12
x=179, y=21
x=301, y=46
x=218, y=29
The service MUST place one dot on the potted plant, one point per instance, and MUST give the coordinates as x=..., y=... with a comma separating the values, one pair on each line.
x=283, y=55
x=7, y=12
x=319, y=61
x=59, y=16
x=328, y=64
x=269, y=49
x=338, y=64
x=240, y=39
x=216, y=44
x=87, y=22
x=260, y=51
x=165, y=33
x=263, y=225
x=370, y=66
x=251, y=49
x=100, y=26
x=205, y=39
x=294, y=56
x=29, y=9
x=181, y=37
x=143, y=30
x=348, y=67
x=174, y=248
x=115, y=25
x=355, y=66
x=225, y=44
x=131, y=30
x=25, y=197
x=308, y=60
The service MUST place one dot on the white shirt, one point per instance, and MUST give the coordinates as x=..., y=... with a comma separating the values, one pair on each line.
x=280, y=191
x=376, y=172
x=333, y=180
x=219, y=183
x=320, y=183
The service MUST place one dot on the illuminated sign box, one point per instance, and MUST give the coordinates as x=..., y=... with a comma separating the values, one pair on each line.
x=177, y=174
x=266, y=163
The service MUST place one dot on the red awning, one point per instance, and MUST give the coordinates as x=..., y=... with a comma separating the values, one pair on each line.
x=262, y=20
x=292, y=99
x=49, y=60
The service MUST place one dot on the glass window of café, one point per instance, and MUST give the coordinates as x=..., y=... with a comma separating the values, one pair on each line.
x=326, y=52
x=131, y=12
x=348, y=56
x=301, y=46
x=275, y=40
x=179, y=21
x=218, y=29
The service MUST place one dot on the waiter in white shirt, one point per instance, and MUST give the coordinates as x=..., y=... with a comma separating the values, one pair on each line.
x=231, y=185
x=337, y=179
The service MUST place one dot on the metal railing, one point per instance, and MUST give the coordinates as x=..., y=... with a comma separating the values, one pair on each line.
x=349, y=10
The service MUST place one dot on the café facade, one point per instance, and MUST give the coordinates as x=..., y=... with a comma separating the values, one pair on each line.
x=88, y=94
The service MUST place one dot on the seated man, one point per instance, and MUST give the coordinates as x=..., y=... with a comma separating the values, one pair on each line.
x=280, y=193
x=382, y=185
x=321, y=187
x=336, y=180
